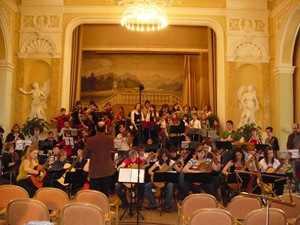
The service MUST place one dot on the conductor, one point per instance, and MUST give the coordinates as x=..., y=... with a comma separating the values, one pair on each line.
x=101, y=169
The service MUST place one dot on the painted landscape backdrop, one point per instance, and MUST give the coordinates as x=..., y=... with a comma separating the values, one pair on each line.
x=105, y=74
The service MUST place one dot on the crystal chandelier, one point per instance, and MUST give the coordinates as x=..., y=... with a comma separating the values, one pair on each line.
x=144, y=15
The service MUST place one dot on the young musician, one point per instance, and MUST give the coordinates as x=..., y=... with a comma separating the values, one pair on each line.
x=56, y=170
x=9, y=159
x=163, y=161
x=133, y=161
x=29, y=161
x=125, y=137
x=14, y=136
x=269, y=164
x=200, y=164
x=237, y=162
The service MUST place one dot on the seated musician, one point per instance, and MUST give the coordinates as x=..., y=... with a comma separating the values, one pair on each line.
x=163, y=163
x=237, y=162
x=51, y=140
x=271, y=165
x=29, y=162
x=10, y=159
x=57, y=170
x=67, y=143
x=200, y=164
x=131, y=162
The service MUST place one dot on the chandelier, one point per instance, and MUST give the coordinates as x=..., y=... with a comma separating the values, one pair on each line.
x=144, y=15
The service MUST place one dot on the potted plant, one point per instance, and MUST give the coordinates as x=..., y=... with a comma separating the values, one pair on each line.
x=245, y=132
x=211, y=119
x=28, y=127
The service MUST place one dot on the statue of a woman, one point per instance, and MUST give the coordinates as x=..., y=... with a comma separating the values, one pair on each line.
x=39, y=97
x=249, y=103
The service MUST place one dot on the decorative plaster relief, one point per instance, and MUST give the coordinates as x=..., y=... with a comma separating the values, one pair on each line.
x=39, y=46
x=40, y=22
x=248, y=50
x=247, y=25
x=234, y=24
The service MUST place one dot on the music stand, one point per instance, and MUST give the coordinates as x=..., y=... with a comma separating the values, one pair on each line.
x=118, y=144
x=69, y=141
x=20, y=144
x=46, y=146
x=168, y=176
x=132, y=176
x=185, y=144
x=224, y=145
x=260, y=147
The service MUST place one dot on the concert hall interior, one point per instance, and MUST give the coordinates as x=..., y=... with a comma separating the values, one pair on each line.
x=150, y=111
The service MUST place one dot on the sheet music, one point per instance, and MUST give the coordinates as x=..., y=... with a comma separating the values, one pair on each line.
x=295, y=153
x=131, y=175
x=20, y=144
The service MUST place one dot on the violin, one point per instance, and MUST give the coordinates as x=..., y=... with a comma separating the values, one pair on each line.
x=15, y=156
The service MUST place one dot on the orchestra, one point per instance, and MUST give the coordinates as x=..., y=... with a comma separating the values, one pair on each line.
x=152, y=141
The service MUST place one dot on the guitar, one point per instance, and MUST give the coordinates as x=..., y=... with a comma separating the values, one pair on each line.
x=38, y=180
x=70, y=168
x=165, y=168
x=206, y=167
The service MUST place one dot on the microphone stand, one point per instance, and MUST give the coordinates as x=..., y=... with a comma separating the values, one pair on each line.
x=141, y=88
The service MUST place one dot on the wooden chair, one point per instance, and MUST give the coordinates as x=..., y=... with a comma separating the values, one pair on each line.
x=259, y=217
x=240, y=206
x=54, y=199
x=297, y=221
x=9, y=192
x=291, y=212
x=211, y=216
x=99, y=199
x=80, y=213
x=193, y=202
x=23, y=210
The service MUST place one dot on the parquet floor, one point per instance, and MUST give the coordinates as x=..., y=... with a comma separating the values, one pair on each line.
x=151, y=217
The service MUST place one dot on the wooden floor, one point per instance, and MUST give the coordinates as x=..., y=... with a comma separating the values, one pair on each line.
x=151, y=217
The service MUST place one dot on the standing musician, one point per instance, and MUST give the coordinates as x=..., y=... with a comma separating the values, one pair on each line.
x=81, y=142
x=201, y=163
x=133, y=161
x=14, y=136
x=124, y=136
x=163, y=163
x=237, y=162
x=270, y=165
x=29, y=162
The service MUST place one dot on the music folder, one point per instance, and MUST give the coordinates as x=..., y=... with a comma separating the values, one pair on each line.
x=198, y=177
x=130, y=175
x=168, y=176
x=224, y=144
x=260, y=146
